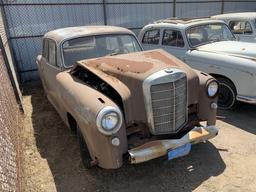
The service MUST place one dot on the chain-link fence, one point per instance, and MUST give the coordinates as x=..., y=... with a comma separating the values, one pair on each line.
x=28, y=20
x=10, y=127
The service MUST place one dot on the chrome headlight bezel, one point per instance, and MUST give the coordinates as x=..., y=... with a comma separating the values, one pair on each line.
x=102, y=114
x=212, y=82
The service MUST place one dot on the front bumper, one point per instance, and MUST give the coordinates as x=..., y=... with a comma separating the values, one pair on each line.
x=246, y=99
x=158, y=148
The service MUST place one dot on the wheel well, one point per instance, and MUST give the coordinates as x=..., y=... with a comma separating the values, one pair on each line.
x=72, y=122
x=222, y=76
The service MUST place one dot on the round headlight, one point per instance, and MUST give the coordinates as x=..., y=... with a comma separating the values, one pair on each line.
x=212, y=88
x=109, y=120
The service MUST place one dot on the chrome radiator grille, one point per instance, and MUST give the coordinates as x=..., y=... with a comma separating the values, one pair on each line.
x=168, y=104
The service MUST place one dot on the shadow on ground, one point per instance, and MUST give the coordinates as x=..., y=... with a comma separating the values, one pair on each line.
x=243, y=116
x=60, y=148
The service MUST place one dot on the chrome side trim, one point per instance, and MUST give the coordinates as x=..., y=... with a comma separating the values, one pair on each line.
x=246, y=99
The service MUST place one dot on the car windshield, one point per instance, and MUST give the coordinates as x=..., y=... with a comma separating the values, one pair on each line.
x=208, y=33
x=98, y=46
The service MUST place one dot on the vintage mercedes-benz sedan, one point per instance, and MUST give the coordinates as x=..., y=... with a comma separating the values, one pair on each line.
x=243, y=25
x=210, y=46
x=124, y=102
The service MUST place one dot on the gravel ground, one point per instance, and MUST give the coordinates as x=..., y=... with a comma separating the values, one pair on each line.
x=52, y=161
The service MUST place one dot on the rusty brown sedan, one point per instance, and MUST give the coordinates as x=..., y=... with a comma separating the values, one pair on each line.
x=124, y=102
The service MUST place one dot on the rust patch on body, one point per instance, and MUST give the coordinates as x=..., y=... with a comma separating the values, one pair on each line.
x=123, y=65
x=139, y=62
x=160, y=56
x=197, y=134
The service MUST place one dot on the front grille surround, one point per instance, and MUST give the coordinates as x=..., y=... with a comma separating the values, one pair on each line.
x=165, y=96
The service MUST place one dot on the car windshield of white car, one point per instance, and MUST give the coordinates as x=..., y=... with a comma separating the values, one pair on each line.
x=208, y=33
x=98, y=46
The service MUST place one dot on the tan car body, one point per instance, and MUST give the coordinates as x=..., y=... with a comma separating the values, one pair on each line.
x=125, y=74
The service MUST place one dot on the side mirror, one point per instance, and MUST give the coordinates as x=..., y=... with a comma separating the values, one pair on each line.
x=238, y=38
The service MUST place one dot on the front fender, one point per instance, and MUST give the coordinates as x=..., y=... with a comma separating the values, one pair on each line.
x=206, y=112
x=84, y=103
x=240, y=71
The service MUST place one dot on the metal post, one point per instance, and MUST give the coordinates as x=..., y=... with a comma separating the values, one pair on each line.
x=222, y=6
x=104, y=12
x=174, y=8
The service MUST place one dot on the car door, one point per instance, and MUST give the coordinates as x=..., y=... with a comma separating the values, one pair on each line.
x=173, y=42
x=243, y=30
x=50, y=71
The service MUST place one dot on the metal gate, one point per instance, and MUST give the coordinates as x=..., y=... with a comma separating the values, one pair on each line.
x=28, y=20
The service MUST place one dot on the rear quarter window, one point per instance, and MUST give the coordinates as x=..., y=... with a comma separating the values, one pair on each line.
x=240, y=27
x=151, y=37
x=52, y=53
x=45, y=49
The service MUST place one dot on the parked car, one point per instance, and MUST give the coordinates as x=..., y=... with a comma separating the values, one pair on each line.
x=210, y=46
x=123, y=100
x=243, y=25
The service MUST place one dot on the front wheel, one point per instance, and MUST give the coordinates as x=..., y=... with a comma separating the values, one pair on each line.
x=85, y=155
x=227, y=94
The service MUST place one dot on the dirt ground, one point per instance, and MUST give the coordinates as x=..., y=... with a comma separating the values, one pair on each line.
x=52, y=161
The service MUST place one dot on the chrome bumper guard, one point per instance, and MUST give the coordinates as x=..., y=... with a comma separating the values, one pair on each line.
x=158, y=148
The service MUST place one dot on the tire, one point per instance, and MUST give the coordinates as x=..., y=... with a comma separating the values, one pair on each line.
x=84, y=152
x=227, y=94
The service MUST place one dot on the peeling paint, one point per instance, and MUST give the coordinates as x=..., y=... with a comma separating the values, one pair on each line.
x=136, y=65
x=140, y=62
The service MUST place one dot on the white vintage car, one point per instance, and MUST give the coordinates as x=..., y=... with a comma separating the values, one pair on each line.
x=243, y=25
x=210, y=46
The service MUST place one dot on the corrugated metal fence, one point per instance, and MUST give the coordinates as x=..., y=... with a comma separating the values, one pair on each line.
x=28, y=20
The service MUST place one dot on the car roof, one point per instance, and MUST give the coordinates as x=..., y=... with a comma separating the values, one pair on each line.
x=244, y=15
x=72, y=32
x=183, y=22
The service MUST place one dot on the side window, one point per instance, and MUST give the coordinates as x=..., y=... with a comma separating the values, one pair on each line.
x=151, y=37
x=52, y=53
x=240, y=27
x=248, y=28
x=172, y=38
x=45, y=49
x=112, y=43
x=128, y=43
